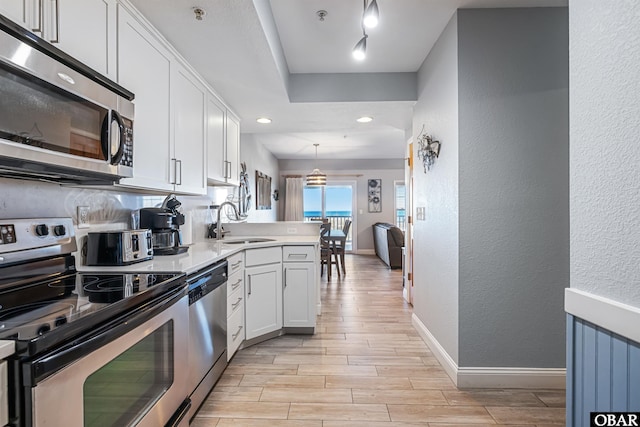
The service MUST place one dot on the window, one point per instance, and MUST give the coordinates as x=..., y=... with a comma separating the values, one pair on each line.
x=400, y=205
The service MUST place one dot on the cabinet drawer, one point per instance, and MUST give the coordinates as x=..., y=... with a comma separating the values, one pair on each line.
x=235, y=332
x=263, y=256
x=298, y=253
x=235, y=263
x=235, y=283
x=235, y=301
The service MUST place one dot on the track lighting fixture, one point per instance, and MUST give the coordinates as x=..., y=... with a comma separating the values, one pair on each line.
x=370, y=18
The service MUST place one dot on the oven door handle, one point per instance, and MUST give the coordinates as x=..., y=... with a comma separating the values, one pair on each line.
x=81, y=346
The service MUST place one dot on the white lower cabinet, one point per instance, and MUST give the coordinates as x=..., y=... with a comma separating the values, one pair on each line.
x=299, y=287
x=235, y=303
x=263, y=291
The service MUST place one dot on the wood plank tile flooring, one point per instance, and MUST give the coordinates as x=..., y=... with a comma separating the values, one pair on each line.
x=365, y=366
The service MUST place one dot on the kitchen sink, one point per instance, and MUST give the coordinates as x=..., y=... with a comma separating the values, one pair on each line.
x=246, y=241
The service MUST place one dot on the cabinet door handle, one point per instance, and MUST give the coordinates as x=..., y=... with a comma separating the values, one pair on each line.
x=234, y=336
x=57, y=22
x=236, y=285
x=297, y=256
x=227, y=169
x=179, y=162
x=285, y=278
x=175, y=171
x=249, y=285
x=236, y=304
x=235, y=264
x=40, y=9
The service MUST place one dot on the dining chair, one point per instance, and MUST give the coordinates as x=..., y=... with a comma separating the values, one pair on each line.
x=327, y=251
x=340, y=247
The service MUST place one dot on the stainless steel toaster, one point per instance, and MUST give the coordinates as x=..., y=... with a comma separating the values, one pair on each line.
x=120, y=247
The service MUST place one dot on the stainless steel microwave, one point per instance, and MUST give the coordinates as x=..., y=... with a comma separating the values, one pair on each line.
x=59, y=119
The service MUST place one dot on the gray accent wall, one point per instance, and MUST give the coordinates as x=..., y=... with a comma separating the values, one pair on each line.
x=514, y=186
x=494, y=91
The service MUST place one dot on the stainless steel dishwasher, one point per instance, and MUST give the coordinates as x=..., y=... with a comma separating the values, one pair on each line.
x=207, y=331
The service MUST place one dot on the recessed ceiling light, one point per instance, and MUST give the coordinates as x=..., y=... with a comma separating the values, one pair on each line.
x=364, y=119
x=263, y=120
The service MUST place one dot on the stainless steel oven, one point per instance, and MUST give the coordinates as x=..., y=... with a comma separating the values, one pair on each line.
x=60, y=120
x=92, y=348
x=137, y=378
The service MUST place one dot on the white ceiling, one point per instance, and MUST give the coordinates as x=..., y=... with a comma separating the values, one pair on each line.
x=247, y=49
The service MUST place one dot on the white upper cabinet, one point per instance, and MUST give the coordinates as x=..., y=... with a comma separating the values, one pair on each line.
x=144, y=67
x=216, y=118
x=21, y=12
x=84, y=29
x=189, y=97
x=223, y=142
x=232, y=152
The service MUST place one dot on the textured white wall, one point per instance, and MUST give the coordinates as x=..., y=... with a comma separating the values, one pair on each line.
x=605, y=148
x=435, y=265
x=258, y=158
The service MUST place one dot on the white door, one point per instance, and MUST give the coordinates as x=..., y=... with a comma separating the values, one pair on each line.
x=263, y=300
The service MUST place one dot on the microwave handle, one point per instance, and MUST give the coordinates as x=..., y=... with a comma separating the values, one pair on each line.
x=106, y=137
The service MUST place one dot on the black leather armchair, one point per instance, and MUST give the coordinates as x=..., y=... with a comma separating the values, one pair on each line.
x=388, y=241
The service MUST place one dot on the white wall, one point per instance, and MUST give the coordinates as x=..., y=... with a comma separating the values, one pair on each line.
x=435, y=265
x=258, y=158
x=605, y=150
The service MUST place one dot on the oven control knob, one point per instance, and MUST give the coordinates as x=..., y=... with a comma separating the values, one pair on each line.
x=42, y=230
x=44, y=329
x=59, y=230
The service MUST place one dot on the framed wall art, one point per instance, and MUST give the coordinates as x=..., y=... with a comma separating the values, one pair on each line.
x=263, y=191
x=375, y=195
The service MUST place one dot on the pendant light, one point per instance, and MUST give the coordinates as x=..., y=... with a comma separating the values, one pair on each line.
x=316, y=178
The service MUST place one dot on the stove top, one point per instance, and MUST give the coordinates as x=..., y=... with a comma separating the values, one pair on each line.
x=44, y=302
x=41, y=315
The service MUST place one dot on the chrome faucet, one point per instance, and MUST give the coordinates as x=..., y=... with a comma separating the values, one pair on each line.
x=219, y=223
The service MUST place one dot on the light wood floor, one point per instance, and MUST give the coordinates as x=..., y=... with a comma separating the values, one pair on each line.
x=365, y=366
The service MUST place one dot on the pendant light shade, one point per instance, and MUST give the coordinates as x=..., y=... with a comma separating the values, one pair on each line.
x=371, y=15
x=360, y=49
x=316, y=178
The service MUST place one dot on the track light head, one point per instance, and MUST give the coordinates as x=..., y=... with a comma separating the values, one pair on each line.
x=371, y=15
x=360, y=49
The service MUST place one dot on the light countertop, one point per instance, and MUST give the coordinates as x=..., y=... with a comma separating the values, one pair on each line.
x=202, y=254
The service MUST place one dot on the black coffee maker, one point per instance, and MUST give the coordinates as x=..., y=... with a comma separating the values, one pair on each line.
x=164, y=223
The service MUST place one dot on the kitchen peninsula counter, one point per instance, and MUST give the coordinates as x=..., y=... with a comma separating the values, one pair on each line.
x=203, y=254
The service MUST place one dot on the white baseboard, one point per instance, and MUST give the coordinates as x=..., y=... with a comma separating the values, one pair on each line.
x=480, y=377
x=450, y=366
